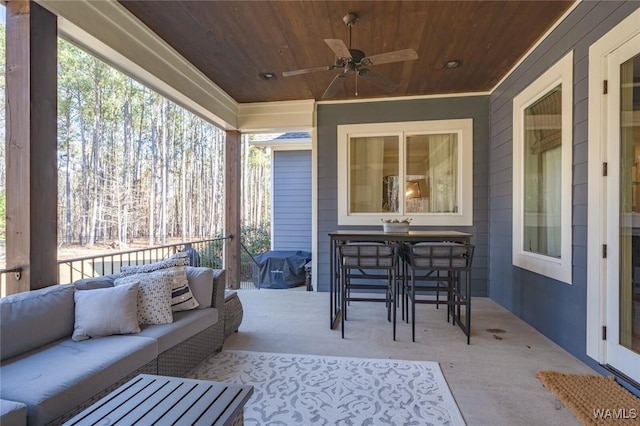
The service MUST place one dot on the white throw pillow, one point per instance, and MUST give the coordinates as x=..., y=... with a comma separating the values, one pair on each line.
x=105, y=311
x=154, y=296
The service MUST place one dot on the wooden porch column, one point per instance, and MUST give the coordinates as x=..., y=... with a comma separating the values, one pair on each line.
x=31, y=145
x=232, y=165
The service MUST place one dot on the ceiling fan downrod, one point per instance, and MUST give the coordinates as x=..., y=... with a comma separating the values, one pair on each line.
x=349, y=20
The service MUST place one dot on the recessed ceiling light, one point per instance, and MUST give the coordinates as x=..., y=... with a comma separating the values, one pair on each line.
x=268, y=76
x=454, y=63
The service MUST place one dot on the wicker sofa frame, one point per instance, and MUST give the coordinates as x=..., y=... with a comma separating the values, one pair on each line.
x=233, y=313
x=178, y=360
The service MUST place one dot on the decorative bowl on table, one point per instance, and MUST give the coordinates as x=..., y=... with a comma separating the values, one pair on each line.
x=396, y=225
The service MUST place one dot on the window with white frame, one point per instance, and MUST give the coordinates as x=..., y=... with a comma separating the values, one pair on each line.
x=542, y=145
x=422, y=170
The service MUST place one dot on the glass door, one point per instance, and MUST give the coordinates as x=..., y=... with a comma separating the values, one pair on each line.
x=623, y=263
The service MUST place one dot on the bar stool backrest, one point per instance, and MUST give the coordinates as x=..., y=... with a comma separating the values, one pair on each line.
x=440, y=255
x=368, y=255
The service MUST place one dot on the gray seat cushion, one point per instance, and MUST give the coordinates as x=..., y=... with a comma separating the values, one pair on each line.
x=185, y=324
x=58, y=377
x=12, y=413
x=367, y=255
x=439, y=255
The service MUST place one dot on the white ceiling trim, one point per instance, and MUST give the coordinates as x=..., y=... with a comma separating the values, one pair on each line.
x=405, y=98
x=273, y=117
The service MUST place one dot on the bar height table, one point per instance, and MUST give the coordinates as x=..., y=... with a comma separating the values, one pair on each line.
x=342, y=236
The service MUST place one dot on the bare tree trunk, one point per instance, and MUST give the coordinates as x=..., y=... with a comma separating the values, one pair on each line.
x=126, y=170
x=67, y=177
x=163, y=170
x=84, y=227
x=95, y=153
x=245, y=188
x=136, y=183
x=183, y=181
x=152, y=195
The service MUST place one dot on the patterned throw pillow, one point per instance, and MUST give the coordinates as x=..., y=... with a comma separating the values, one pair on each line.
x=154, y=296
x=181, y=297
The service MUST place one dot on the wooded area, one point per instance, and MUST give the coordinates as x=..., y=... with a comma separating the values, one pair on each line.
x=132, y=165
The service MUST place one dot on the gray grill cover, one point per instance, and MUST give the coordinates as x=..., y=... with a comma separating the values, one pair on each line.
x=281, y=269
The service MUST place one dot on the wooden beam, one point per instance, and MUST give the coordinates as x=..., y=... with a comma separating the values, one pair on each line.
x=232, y=199
x=31, y=145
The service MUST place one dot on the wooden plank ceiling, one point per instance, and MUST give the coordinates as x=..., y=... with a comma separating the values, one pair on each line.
x=232, y=42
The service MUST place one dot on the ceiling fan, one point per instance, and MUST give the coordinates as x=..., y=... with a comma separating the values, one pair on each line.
x=354, y=61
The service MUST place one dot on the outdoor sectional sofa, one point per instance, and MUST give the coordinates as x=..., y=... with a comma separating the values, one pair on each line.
x=46, y=377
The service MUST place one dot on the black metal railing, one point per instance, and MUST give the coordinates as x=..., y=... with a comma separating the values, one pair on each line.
x=248, y=270
x=4, y=273
x=207, y=252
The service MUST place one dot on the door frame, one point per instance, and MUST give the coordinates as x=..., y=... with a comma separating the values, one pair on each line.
x=598, y=135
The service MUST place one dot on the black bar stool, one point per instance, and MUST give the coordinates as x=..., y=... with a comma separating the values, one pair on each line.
x=368, y=266
x=443, y=264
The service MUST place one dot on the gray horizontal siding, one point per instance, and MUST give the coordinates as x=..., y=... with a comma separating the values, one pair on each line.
x=330, y=116
x=292, y=200
x=556, y=309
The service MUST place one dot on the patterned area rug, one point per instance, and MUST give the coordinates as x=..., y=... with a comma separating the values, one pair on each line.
x=318, y=390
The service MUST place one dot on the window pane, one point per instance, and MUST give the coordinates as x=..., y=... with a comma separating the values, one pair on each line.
x=431, y=173
x=629, y=286
x=542, y=175
x=373, y=161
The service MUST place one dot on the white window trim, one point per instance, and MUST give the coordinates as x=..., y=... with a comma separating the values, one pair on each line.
x=462, y=127
x=559, y=269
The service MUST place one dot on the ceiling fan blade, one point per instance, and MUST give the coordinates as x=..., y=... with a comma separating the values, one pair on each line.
x=336, y=84
x=307, y=70
x=395, y=56
x=383, y=82
x=338, y=47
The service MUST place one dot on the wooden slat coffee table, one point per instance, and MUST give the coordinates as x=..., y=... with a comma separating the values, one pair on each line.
x=160, y=400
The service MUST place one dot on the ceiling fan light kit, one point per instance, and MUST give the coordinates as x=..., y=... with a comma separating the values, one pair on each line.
x=355, y=61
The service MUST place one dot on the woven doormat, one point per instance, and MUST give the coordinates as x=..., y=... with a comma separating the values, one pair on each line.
x=594, y=400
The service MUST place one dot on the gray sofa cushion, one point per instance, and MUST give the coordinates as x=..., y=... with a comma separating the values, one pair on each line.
x=201, y=283
x=59, y=377
x=35, y=318
x=12, y=413
x=185, y=324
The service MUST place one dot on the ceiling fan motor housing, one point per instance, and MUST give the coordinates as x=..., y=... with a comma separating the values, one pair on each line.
x=357, y=55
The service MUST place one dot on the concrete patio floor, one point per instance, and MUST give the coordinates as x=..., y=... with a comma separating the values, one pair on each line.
x=493, y=379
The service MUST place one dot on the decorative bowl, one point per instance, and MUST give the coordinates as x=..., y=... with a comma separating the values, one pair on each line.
x=395, y=226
